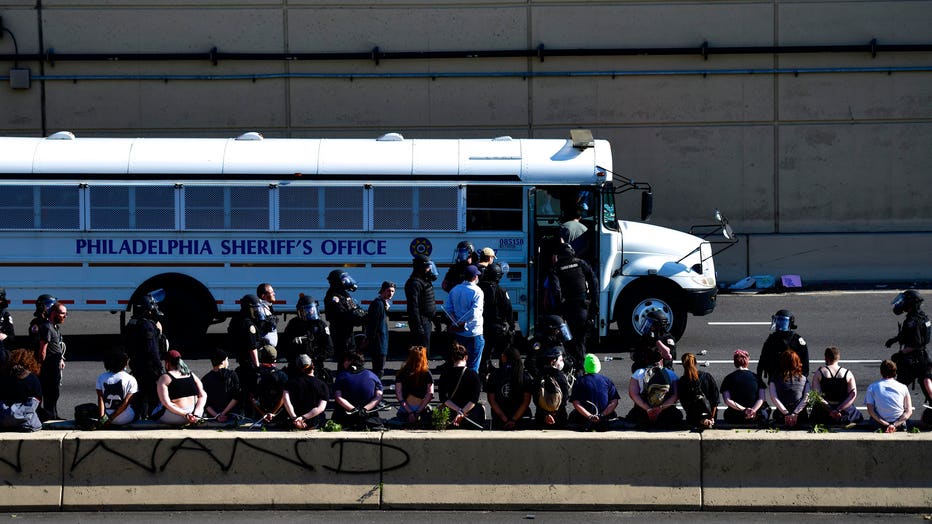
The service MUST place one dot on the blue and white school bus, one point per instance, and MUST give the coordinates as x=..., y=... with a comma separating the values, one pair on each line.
x=97, y=221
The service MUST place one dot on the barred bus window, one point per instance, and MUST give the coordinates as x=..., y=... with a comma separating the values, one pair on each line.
x=219, y=208
x=496, y=208
x=417, y=208
x=132, y=207
x=19, y=208
x=58, y=207
x=315, y=208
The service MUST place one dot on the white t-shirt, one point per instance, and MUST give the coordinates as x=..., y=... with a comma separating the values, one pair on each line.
x=887, y=396
x=115, y=387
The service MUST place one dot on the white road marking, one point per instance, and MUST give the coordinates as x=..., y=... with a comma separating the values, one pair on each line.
x=739, y=323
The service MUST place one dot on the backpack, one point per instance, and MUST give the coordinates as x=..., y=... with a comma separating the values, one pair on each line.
x=656, y=386
x=549, y=394
x=21, y=417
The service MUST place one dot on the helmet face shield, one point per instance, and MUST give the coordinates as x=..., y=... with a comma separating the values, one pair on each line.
x=779, y=323
x=348, y=282
x=432, y=271
x=461, y=255
x=309, y=312
x=565, y=332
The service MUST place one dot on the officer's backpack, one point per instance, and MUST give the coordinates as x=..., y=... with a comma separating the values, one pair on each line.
x=549, y=395
x=656, y=386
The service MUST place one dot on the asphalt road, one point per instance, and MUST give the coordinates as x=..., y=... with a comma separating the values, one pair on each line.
x=858, y=322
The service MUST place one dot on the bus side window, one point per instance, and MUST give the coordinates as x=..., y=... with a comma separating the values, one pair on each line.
x=494, y=208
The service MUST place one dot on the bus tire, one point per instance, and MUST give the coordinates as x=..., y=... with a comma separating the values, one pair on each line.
x=634, y=304
x=188, y=310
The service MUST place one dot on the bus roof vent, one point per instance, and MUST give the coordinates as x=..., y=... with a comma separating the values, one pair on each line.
x=390, y=137
x=252, y=135
x=505, y=138
x=62, y=135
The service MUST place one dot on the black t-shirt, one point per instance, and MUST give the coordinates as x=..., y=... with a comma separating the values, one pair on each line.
x=469, y=386
x=221, y=386
x=742, y=386
x=306, y=392
x=411, y=386
x=17, y=390
x=509, y=394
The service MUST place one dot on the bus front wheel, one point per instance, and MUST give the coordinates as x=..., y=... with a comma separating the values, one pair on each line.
x=633, y=307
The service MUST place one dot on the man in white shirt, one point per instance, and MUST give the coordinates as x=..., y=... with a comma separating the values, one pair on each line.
x=888, y=401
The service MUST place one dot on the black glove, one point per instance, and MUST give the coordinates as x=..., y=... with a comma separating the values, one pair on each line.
x=890, y=342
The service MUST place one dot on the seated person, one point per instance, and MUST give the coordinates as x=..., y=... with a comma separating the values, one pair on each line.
x=789, y=392
x=698, y=394
x=744, y=394
x=509, y=392
x=356, y=394
x=115, y=390
x=19, y=384
x=838, y=389
x=653, y=390
x=222, y=387
x=888, y=401
x=268, y=396
x=594, y=398
x=181, y=395
x=305, y=397
x=552, y=391
x=414, y=388
x=459, y=391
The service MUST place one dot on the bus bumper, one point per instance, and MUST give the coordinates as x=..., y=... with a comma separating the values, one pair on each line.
x=701, y=302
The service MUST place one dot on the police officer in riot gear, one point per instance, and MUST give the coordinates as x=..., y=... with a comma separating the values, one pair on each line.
x=655, y=337
x=463, y=256
x=244, y=341
x=343, y=313
x=7, y=333
x=45, y=336
x=575, y=292
x=551, y=331
x=912, y=360
x=782, y=337
x=498, y=318
x=419, y=295
x=146, y=346
x=307, y=334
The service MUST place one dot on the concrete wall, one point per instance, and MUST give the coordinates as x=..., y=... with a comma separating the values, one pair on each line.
x=844, y=153
x=431, y=470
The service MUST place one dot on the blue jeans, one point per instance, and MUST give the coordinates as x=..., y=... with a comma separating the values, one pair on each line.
x=474, y=346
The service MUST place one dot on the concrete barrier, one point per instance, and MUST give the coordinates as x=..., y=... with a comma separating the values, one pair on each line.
x=30, y=467
x=456, y=469
x=795, y=471
x=205, y=468
x=720, y=469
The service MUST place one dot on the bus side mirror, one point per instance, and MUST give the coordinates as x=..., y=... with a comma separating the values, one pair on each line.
x=647, y=205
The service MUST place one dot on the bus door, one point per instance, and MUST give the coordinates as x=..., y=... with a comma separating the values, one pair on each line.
x=550, y=208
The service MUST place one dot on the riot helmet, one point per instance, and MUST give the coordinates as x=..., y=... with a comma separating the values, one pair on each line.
x=556, y=327
x=341, y=279
x=307, y=308
x=249, y=307
x=906, y=301
x=656, y=321
x=148, y=304
x=43, y=304
x=493, y=272
x=464, y=251
x=564, y=250
x=783, y=320
x=423, y=264
x=3, y=301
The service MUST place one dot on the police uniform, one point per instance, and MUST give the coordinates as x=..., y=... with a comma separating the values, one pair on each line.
x=498, y=318
x=42, y=330
x=242, y=339
x=343, y=314
x=913, y=334
x=643, y=352
x=6, y=327
x=574, y=288
x=421, y=306
x=768, y=367
x=142, y=337
x=307, y=337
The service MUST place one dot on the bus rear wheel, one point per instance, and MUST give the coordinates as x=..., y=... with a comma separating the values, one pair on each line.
x=633, y=307
x=188, y=310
